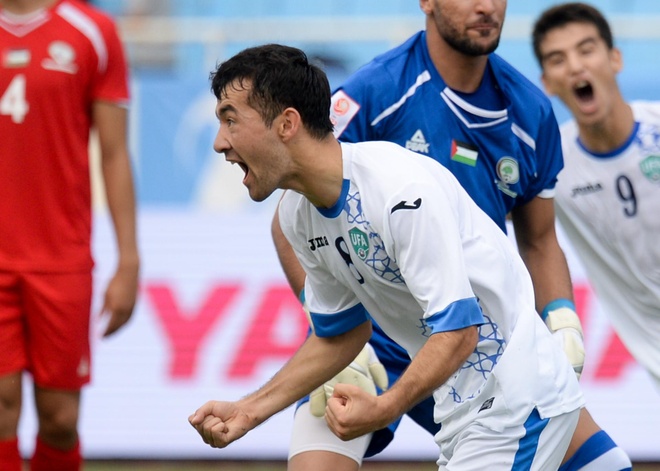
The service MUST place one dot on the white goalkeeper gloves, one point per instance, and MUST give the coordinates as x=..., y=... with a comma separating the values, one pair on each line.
x=566, y=329
x=366, y=372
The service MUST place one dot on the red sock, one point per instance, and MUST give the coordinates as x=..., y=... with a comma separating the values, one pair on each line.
x=47, y=458
x=10, y=457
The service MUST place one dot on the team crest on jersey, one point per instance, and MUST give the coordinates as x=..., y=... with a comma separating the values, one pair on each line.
x=62, y=58
x=650, y=167
x=360, y=243
x=508, y=173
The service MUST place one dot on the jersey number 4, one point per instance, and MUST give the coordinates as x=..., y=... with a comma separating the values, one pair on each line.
x=13, y=102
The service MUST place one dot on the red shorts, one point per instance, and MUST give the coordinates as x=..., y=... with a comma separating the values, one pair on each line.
x=44, y=327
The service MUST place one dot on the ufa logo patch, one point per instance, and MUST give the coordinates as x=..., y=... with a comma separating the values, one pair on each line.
x=360, y=242
x=650, y=167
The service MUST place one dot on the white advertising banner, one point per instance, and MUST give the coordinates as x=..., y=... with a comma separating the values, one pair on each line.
x=215, y=320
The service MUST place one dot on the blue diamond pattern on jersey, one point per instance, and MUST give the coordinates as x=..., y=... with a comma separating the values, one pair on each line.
x=648, y=139
x=378, y=260
x=484, y=358
x=426, y=330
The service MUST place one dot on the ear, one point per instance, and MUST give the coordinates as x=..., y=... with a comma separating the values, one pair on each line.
x=289, y=123
x=426, y=6
x=616, y=59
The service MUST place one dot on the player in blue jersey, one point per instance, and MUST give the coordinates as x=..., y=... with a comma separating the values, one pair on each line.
x=444, y=94
x=394, y=238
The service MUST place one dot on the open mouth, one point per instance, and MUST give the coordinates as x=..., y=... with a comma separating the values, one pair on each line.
x=584, y=91
x=243, y=167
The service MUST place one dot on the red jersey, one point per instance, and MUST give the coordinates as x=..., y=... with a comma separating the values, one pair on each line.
x=54, y=63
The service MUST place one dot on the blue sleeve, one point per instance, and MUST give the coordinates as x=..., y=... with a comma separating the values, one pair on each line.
x=533, y=110
x=549, y=157
x=369, y=87
x=329, y=325
x=458, y=315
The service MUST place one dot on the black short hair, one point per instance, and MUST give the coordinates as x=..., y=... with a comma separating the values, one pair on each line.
x=561, y=15
x=279, y=77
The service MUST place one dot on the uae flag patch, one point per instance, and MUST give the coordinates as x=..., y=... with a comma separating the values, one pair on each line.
x=464, y=153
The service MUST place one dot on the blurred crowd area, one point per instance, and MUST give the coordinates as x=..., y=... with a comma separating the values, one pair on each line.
x=172, y=46
x=187, y=37
x=228, y=8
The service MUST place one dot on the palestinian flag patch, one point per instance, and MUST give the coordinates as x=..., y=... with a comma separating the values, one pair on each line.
x=464, y=153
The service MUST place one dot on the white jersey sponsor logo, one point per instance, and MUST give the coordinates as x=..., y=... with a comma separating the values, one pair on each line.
x=586, y=189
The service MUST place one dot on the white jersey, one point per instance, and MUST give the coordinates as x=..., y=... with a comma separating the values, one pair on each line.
x=406, y=244
x=609, y=206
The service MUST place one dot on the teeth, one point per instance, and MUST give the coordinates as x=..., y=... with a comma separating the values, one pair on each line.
x=581, y=84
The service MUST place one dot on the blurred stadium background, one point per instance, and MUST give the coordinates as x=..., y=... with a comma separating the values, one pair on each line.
x=215, y=318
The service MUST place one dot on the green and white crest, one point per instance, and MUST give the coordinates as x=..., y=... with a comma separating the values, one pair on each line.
x=650, y=167
x=360, y=242
x=508, y=171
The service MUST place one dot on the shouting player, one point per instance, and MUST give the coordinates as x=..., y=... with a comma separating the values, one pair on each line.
x=608, y=195
x=62, y=72
x=407, y=247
